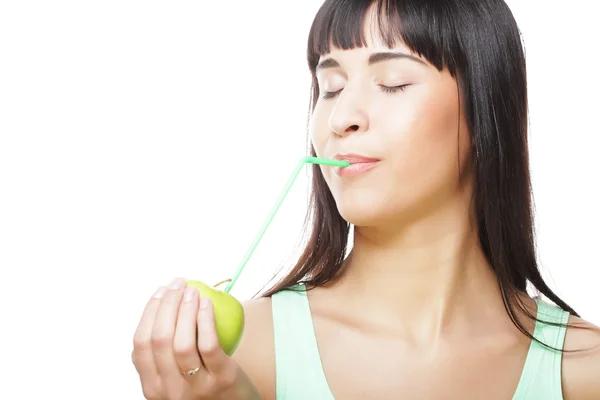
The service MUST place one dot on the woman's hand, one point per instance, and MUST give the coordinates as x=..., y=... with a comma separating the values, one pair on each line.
x=166, y=347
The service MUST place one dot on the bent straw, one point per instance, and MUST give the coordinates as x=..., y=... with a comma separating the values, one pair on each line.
x=286, y=189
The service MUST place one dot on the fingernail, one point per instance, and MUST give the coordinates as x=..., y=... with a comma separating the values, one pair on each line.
x=204, y=302
x=189, y=294
x=178, y=283
x=160, y=292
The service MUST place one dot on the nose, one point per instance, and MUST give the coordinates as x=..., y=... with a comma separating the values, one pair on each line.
x=348, y=115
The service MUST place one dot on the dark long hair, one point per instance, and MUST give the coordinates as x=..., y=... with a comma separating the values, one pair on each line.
x=478, y=41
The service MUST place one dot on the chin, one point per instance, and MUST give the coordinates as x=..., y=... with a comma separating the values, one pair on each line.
x=365, y=211
x=372, y=209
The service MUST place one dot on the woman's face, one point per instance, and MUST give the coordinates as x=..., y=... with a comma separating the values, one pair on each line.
x=391, y=105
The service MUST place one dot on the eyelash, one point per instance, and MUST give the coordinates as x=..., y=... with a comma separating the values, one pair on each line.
x=385, y=89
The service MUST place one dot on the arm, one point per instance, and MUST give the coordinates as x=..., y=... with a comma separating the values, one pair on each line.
x=256, y=352
x=581, y=369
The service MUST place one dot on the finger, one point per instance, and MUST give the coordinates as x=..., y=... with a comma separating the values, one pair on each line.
x=163, y=334
x=143, y=358
x=184, y=345
x=212, y=354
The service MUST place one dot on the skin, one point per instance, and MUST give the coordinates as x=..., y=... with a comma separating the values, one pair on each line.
x=417, y=297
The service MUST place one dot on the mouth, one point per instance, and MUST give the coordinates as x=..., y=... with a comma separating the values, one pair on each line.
x=359, y=164
x=354, y=158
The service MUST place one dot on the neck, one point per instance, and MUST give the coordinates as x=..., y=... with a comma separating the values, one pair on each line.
x=429, y=277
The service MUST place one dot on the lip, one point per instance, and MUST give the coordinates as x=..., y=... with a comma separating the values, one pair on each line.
x=358, y=164
x=354, y=158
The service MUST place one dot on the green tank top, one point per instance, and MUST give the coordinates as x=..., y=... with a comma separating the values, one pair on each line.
x=300, y=375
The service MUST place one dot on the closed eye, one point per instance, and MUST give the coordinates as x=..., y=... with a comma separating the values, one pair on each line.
x=331, y=95
x=385, y=89
x=394, y=89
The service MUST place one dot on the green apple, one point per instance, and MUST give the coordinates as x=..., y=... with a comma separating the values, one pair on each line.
x=229, y=315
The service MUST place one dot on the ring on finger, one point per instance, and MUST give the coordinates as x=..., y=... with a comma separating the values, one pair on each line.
x=192, y=372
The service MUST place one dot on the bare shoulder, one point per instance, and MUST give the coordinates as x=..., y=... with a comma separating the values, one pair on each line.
x=581, y=361
x=256, y=351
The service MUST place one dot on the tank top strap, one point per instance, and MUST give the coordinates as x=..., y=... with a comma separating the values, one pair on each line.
x=299, y=372
x=542, y=374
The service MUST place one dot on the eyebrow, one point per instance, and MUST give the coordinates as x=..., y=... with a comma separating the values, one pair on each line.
x=373, y=59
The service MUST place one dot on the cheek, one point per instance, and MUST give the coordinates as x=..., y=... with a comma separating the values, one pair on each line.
x=318, y=129
x=424, y=152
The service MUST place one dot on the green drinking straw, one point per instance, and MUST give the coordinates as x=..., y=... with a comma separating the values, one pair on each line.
x=286, y=189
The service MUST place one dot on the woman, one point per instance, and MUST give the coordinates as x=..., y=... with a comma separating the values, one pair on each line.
x=431, y=302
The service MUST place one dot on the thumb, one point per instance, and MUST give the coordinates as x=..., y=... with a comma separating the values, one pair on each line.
x=213, y=356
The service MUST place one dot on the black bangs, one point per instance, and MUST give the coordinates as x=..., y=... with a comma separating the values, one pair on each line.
x=424, y=26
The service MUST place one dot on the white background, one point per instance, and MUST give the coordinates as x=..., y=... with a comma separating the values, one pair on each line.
x=144, y=140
